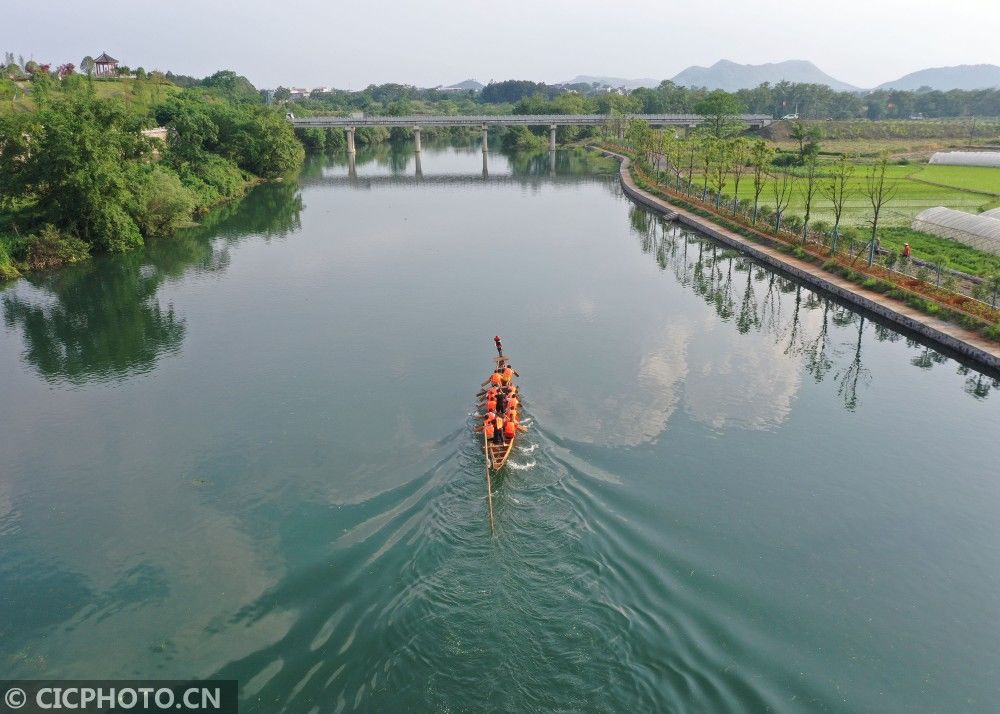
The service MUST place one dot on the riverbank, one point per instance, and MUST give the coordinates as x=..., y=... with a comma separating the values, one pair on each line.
x=772, y=252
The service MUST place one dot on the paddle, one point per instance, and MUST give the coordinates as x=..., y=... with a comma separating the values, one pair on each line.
x=489, y=483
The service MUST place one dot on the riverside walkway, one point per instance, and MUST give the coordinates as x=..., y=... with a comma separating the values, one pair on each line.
x=957, y=339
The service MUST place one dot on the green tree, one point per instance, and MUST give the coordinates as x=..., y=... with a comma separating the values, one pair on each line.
x=808, y=139
x=75, y=159
x=164, y=203
x=761, y=156
x=809, y=188
x=721, y=165
x=87, y=65
x=721, y=113
x=739, y=153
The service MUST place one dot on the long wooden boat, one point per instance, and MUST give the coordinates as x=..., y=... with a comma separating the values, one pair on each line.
x=496, y=454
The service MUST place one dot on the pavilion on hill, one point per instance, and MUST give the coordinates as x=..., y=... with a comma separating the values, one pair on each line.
x=105, y=65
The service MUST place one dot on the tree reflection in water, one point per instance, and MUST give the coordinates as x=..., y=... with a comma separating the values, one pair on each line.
x=748, y=295
x=102, y=320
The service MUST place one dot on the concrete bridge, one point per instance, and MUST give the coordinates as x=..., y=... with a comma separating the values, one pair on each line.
x=415, y=122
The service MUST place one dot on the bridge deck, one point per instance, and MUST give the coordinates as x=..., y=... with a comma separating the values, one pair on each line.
x=753, y=120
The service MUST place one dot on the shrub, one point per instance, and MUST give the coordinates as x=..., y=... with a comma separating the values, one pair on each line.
x=8, y=271
x=923, y=273
x=164, y=204
x=114, y=230
x=52, y=249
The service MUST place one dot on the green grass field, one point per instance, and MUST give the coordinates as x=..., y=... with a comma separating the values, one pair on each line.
x=918, y=186
x=970, y=178
x=965, y=188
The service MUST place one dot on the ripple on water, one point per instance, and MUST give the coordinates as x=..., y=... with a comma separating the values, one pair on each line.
x=569, y=606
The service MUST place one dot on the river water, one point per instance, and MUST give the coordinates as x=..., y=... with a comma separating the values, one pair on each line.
x=246, y=454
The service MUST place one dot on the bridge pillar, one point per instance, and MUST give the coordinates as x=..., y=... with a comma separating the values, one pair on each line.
x=420, y=171
x=486, y=168
x=552, y=137
x=552, y=163
x=416, y=139
x=350, y=140
x=486, y=137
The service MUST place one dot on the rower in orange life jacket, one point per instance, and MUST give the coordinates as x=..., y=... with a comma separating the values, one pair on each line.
x=494, y=378
x=498, y=423
x=509, y=427
x=507, y=374
x=488, y=428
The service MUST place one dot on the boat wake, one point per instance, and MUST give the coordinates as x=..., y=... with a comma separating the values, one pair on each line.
x=522, y=467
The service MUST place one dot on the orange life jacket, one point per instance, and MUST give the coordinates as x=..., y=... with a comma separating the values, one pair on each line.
x=509, y=429
x=488, y=429
x=495, y=378
x=491, y=393
x=491, y=405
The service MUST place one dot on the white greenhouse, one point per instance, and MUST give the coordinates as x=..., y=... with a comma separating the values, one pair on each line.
x=967, y=158
x=978, y=231
x=992, y=213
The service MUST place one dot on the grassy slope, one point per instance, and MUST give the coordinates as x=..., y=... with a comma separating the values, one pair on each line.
x=142, y=94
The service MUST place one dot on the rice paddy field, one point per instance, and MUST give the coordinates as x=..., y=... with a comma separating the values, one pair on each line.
x=917, y=186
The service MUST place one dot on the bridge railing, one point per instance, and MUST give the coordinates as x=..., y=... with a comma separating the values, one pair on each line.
x=508, y=120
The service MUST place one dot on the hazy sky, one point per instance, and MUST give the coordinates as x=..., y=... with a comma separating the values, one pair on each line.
x=431, y=42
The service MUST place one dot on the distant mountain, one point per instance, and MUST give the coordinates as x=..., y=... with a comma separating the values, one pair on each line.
x=613, y=81
x=963, y=76
x=469, y=84
x=732, y=76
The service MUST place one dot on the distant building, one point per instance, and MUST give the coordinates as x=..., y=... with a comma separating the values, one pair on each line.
x=105, y=65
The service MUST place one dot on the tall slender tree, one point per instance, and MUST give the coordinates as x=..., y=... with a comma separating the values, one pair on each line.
x=761, y=156
x=809, y=188
x=739, y=154
x=782, y=185
x=837, y=191
x=722, y=163
x=879, y=193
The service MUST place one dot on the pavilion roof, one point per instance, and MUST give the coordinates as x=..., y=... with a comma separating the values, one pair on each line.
x=105, y=58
